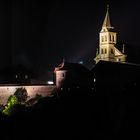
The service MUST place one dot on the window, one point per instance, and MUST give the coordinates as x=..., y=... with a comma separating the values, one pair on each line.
x=110, y=38
x=102, y=39
x=118, y=59
x=102, y=51
x=26, y=76
x=63, y=75
x=113, y=38
x=105, y=38
x=112, y=51
x=105, y=50
x=16, y=76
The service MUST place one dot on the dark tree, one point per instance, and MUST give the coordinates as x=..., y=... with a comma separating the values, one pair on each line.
x=21, y=94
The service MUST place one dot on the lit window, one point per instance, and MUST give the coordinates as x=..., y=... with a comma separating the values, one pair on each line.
x=50, y=82
x=26, y=76
x=16, y=76
x=118, y=59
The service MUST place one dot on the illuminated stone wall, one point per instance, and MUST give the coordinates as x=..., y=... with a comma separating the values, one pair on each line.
x=6, y=91
x=60, y=78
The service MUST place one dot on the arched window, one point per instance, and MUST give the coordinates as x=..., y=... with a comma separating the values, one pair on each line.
x=110, y=38
x=113, y=38
x=105, y=50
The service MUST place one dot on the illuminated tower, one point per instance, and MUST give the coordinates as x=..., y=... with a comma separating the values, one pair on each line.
x=107, y=43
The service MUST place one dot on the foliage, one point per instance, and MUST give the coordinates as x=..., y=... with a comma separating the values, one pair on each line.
x=19, y=97
x=12, y=101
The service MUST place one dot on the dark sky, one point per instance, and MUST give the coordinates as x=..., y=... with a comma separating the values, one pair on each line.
x=39, y=34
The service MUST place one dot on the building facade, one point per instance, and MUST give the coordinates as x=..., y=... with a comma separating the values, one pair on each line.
x=72, y=75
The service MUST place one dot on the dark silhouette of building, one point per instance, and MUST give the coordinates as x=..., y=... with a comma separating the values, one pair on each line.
x=114, y=77
x=72, y=75
x=16, y=74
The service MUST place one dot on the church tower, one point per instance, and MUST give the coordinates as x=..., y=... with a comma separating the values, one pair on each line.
x=107, y=43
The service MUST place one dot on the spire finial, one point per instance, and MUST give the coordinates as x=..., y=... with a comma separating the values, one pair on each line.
x=107, y=23
x=107, y=7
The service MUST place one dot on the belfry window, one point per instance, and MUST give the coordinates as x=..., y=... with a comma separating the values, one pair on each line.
x=102, y=39
x=105, y=38
x=110, y=38
x=113, y=38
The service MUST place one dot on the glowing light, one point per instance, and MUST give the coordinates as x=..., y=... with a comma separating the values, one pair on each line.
x=16, y=76
x=50, y=82
x=81, y=62
x=26, y=76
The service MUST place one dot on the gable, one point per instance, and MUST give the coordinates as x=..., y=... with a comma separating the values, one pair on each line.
x=117, y=52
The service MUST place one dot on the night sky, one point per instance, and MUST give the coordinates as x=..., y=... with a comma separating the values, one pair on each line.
x=39, y=34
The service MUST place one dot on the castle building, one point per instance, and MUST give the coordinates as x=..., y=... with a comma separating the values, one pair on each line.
x=107, y=43
x=72, y=75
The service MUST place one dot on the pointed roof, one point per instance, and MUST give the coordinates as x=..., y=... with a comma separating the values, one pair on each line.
x=107, y=22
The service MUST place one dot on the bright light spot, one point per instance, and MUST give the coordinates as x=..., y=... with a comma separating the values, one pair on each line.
x=26, y=76
x=81, y=62
x=50, y=82
x=16, y=76
x=94, y=79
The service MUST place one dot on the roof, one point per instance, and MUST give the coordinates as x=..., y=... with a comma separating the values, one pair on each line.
x=107, y=23
x=71, y=66
x=116, y=67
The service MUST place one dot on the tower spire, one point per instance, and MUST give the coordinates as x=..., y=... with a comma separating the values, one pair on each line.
x=108, y=7
x=107, y=43
x=107, y=23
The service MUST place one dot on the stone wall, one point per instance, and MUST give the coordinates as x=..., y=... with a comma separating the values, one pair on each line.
x=32, y=90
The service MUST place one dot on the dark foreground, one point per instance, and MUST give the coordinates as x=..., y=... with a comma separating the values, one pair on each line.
x=76, y=114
